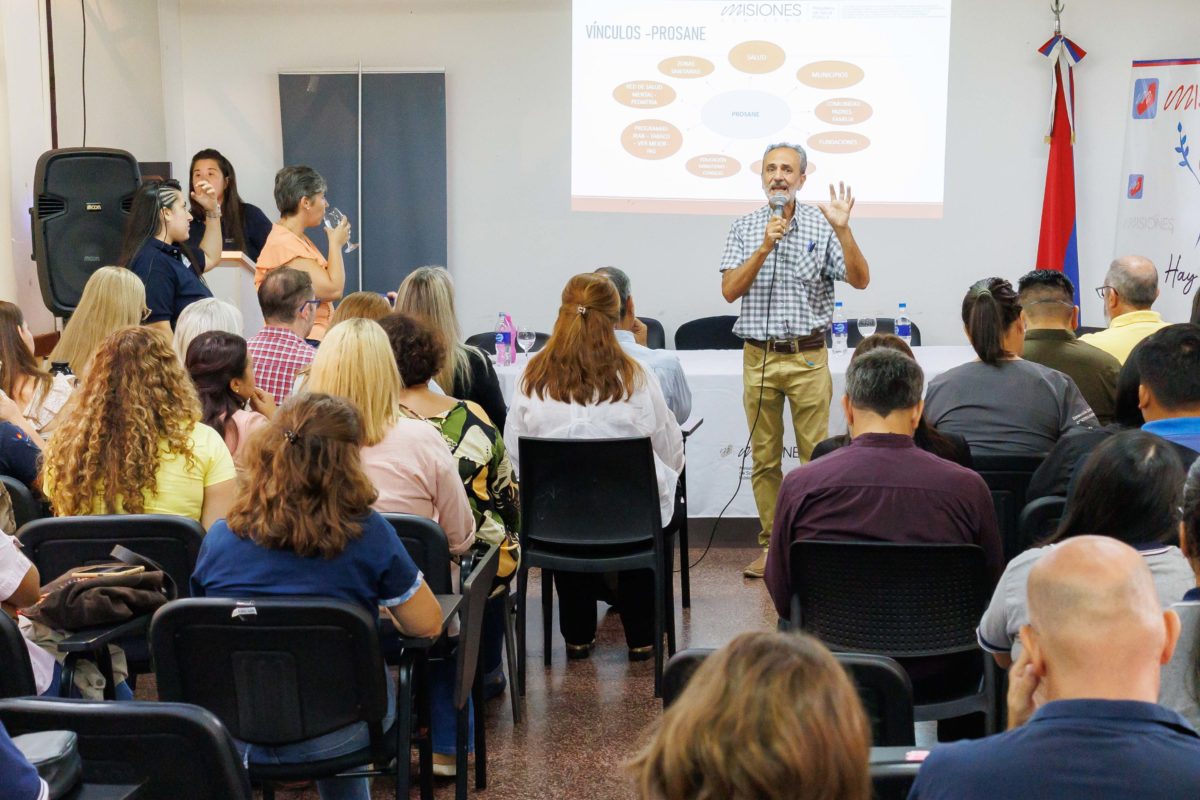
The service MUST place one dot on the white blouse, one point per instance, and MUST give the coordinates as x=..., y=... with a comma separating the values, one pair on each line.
x=645, y=413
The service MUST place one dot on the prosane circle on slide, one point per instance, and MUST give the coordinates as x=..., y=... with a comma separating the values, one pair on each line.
x=746, y=114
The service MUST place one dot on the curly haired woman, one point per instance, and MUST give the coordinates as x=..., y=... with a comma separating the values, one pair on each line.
x=135, y=443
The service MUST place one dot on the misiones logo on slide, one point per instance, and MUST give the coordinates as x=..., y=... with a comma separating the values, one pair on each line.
x=1145, y=98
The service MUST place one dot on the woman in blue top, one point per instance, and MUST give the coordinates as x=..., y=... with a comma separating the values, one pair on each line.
x=302, y=525
x=155, y=248
x=244, y=226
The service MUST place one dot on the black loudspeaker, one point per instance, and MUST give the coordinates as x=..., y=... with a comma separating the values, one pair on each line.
x=82, y=197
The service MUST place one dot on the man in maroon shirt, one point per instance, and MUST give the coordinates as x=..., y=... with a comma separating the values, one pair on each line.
x=881, y=487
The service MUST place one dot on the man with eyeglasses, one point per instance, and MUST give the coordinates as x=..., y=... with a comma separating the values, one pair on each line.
x=1047, y=300
x=279, y=351
x=1130, y=288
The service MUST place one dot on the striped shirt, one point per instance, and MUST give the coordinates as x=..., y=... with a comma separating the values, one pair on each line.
x=809, y=259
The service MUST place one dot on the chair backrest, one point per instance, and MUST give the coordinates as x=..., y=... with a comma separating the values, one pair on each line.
x=883, y=686
x=476, y=588
x=25, y=506
x=708, y=333
x=883, y=325
x=1082, y=329
x=59, y=544
x=656, y=337
x=426, y=543
x=1008, y=479
x=16, y=673
x=487, y=342
x=588, y=493
x=174, y=750
x=887, y=697
x=275, y=671
x=1039, y=519
x=898, y=600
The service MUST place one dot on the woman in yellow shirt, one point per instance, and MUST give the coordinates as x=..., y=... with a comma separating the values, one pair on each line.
x=135, y=443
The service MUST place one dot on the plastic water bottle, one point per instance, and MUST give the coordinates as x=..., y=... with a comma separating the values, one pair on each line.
x=505, y=352
x=840, y=330
x=904, y=324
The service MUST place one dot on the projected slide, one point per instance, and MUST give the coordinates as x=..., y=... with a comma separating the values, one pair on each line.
x=673, y=102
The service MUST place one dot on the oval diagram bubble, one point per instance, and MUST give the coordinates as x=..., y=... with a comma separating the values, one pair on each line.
x=757, y=57
x=830, y=74
x=838, y=142
x=644, y=94
x=713, y=165
x=686, y=67
x=746, y=114
x=843, y=111
x=651, y=139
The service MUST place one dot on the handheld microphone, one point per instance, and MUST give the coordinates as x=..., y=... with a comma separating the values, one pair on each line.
x=778, y=202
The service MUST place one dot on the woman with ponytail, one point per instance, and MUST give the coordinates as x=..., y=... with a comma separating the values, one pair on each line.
x=1002, y=404
x=582, y=385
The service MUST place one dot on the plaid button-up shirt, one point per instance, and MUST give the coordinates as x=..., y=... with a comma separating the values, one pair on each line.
x=805, y=265
x=278, y=355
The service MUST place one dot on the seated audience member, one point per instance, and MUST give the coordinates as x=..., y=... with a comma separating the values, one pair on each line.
x=223, y=373
x=300, y=196
x=1047, y=299
x=467, y=373
x=1130, y=288
x=631, y=333
x=1082, y=716
x=244, y=227
x=19, y=453
x=406, y=459
x=1001, y=403
x=582, y=385
x=205, y=315
x=154, y=247
x=134, y=443
x=113, y=298
x=881, y=487
x=19, y=778
x=1128, y=489
x=1180, y=689
x=949, y=446
x=20, y=587
x=302, y=525
x=279, y=350
x=1169, y=396
x=1053, y=476
x=39, y=394
x=361, y=305
x=786, y=692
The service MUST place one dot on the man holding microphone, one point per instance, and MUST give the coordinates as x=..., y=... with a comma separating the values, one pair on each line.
x=781, y=261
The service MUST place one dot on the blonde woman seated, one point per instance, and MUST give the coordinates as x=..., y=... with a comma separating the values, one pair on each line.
x=202, y=316
x=770, y=716
x=361, y=305
x=113, y=298
x=134, y=443
x=406, y=459
x=39, y=395
x=583, y=385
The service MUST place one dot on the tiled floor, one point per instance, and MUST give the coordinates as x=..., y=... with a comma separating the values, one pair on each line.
x=584, y=719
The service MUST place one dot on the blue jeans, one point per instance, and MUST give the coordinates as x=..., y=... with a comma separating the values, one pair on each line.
x=336, y=743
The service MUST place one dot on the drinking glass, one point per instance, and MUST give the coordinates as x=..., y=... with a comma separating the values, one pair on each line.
x=333, y=218
x=866, y=326
x=525, y=338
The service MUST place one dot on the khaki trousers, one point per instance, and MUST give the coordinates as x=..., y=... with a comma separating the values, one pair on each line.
x=803, y=379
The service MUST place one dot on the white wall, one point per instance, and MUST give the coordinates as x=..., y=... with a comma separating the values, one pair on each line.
x=508, y=67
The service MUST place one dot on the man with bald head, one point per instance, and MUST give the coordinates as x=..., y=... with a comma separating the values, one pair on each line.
x=1130, y=288
x=1083, y=721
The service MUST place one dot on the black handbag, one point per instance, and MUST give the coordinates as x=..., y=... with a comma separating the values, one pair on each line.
x=55, y=755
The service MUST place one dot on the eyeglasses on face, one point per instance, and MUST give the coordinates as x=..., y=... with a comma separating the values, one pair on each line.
x=1100, y=290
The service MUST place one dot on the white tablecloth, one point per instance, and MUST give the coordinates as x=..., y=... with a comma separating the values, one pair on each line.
x=714, y=451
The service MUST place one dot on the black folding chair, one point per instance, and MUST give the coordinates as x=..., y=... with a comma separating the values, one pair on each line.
x=1039, y=519
x=591, y=505
x=1008, y=479
x=656, y=337
x=168, y=749
x=476, y=589
x=16, y=673
x=903, y=601
x=708, y=333
x=26, y=506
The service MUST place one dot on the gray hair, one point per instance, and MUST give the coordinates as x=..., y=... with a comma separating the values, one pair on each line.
x=209, y=314
x=293, y=184
x=883, y=381
x=788, y=145
x=1135, y=279
x=621, y=281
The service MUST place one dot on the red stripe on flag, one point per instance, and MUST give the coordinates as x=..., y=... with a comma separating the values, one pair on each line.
x=1058, y=203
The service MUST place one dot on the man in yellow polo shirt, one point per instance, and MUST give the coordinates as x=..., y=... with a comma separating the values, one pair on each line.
x=1130, y=288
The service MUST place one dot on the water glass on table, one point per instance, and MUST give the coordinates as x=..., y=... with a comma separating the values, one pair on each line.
x=866, y=326
x=525, y=339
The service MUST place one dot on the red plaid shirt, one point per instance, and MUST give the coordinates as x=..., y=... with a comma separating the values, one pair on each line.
x=278, y=355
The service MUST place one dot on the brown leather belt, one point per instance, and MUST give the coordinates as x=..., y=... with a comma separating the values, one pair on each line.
x=815, y=341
